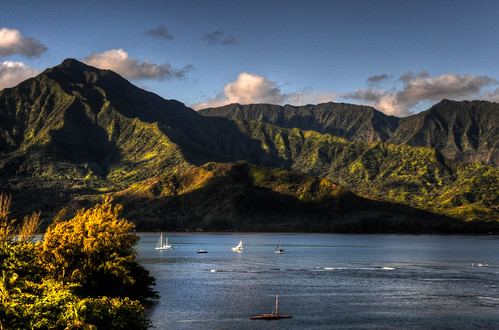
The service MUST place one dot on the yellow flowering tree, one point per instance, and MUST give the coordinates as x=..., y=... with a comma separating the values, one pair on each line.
x=95, y=250
x=82, y=276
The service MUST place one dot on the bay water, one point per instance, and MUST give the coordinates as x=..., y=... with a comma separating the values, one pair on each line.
x=325, y=281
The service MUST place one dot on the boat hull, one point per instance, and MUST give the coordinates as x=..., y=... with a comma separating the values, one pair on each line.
x=270, y=317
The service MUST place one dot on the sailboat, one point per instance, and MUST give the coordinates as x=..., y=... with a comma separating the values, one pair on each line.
x=273, y=316
x=279, y=249
x=239, y=247
x=163, y=246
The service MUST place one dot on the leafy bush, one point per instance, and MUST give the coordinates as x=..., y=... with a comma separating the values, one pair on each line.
x=70, y=280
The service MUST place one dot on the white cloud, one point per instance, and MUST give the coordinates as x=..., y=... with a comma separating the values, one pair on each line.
x=248, y=88
x=120, y=62
x=12, y=42
x=12, y=73
x=422, y=87
x=253, y=88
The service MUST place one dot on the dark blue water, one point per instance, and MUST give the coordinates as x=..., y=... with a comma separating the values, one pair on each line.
x=325, y=281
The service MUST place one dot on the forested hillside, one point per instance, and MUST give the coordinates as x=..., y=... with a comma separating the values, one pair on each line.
x=74, y=134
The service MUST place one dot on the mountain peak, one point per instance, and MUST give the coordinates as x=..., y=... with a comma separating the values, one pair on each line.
x=70, y=61
x=72, y=71
x=74, y=64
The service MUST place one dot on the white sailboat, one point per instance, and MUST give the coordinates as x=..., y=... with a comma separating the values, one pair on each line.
x=279, y=249
x=163, y=246
x=239, y=247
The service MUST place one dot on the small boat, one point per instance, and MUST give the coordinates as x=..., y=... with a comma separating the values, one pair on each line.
x=163, y=246
x=239, y=247
x=202, y=251
x=279, y=249
x=273, y=316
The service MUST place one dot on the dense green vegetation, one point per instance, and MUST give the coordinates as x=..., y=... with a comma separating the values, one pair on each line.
x=244, y=197
x=419, y=177
x=350, y=121
x=75, y=133
x=464, y=131
x=81, y=275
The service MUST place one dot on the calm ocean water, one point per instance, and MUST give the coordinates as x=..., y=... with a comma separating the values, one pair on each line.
x=325, y=281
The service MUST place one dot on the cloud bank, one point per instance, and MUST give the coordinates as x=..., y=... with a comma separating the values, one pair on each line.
x=422, y=87
x=253, y=88
x=399, y=99
x=120, y=62
x=12, y=42
x=219, y=38
x=12, y=73
x=160, y=32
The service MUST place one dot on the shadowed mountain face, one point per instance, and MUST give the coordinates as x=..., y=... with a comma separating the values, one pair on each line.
x=240, y=196
x=76, y=132
x=464, y=131
x=87, y=119
x=352, y=122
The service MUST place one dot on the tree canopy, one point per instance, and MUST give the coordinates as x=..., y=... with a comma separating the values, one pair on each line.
x=82, y=275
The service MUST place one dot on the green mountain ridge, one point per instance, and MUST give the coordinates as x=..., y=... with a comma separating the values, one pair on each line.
x=86, y=116
x=353, y=122
x=75, y=133
x=419, y=177
x=466, y=131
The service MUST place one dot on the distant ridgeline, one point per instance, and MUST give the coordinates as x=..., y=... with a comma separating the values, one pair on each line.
x=75, y=133
x=464, y=131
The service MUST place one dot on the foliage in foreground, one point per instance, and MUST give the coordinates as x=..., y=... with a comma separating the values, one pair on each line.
x=70, y=279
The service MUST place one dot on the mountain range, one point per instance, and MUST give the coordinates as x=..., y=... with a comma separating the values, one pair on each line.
x=466, y=131
x=75, y=133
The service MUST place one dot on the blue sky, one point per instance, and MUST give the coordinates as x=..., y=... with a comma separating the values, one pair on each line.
x=398, y=56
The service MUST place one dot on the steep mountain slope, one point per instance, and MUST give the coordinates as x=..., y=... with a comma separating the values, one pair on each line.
x=353, y=122
x=86, y=121
x=75, y=130
x=465, y=131
x=419, y=177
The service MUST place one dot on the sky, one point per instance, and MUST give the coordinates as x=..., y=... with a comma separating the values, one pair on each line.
x=400, y=56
